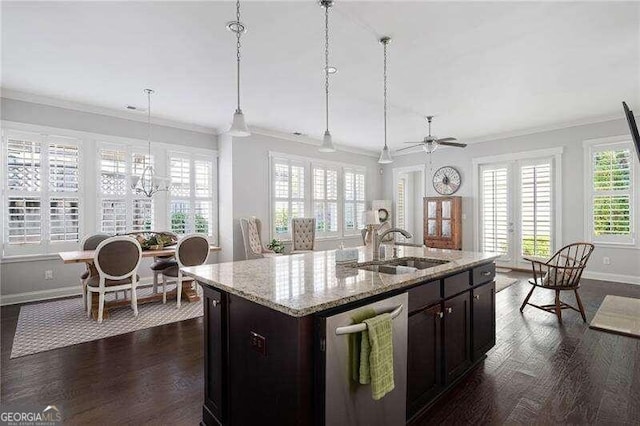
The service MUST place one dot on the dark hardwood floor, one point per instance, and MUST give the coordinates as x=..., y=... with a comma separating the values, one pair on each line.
x=538, y=372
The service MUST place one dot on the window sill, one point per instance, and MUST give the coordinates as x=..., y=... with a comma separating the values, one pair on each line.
x=615, y=245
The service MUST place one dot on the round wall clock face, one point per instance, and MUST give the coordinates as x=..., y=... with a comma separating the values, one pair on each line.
x=383, y=215
x=446, y=180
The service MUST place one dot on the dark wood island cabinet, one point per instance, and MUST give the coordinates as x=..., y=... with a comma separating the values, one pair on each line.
x=264, y=364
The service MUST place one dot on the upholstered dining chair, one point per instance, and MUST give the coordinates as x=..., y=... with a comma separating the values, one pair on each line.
x=90, y=242
x=117, y=260
x=561, y=272
x=161, y=263
x=303, y=234
x=192, y=250
x=251, y=234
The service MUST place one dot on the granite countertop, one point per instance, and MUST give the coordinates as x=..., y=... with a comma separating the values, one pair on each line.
x=306, y=283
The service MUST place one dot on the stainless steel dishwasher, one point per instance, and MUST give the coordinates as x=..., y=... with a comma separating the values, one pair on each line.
x=348, y=403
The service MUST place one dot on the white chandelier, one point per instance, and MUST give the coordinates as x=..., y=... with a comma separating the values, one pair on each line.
x=148, y=183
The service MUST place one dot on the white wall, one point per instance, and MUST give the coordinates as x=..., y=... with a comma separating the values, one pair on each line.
x=250, y=157
x=625, y=262
x=22, y=280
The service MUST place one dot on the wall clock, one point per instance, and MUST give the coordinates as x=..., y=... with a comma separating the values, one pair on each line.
x=446, y=180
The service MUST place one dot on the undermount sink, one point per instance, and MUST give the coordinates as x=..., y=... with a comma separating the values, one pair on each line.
x=391, y=266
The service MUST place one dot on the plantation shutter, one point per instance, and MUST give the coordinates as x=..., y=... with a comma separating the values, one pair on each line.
x=401, y=204
x=536, y=209
x=494, y=210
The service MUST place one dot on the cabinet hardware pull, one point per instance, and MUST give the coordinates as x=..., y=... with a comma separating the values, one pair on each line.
x=477, y=297
x=214, y=303
x=486, y=273
x=440, y=314
x=449, y=310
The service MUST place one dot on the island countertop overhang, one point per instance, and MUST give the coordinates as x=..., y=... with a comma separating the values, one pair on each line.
x=303, y=284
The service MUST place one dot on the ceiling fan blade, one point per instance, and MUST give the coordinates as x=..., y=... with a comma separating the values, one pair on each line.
x=415, y=142
x=408, y=147
x=456, y=144
x=447, y=140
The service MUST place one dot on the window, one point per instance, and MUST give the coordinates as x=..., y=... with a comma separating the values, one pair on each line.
x=611, y=193
x=354, y=200
x=325, y=200
x=332, y=193
x=191, y=194
x=289, y=194
x=535, y=209
x=42, y=192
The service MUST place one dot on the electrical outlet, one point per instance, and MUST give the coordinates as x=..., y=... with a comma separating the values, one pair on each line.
x=48, y=275
x=606, y=260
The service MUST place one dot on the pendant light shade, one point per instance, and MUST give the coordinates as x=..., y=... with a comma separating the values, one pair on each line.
x=385, y=155
x=238, y=126
x=327, y=141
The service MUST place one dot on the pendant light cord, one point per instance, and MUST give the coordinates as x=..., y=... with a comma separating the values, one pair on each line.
x=385, y=93
x=326, y=63
x=144, y=161
x=238, y=33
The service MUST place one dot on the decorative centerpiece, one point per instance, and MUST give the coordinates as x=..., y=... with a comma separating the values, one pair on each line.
x=155, y=240
x=276, y=246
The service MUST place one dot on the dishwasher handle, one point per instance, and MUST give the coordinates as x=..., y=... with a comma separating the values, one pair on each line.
x=357, y=328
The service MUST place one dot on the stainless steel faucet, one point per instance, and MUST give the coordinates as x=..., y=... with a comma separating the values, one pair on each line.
x=377, y=239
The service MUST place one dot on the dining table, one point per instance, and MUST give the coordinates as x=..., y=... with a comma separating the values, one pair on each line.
x=189, y=292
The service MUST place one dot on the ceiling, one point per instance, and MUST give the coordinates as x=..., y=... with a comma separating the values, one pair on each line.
x=481, y=68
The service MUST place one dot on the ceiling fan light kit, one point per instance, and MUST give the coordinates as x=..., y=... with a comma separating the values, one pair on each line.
x=239, y=125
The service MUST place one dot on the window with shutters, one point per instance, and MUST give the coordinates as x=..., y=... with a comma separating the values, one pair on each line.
x=401, y=203
x=41, y=192
x=289, y=194
x=354, y=200
x=611, y=195
x=494, y=214
x=332, y=193
x=325, y=200
x=192, y=194
x=536, y=209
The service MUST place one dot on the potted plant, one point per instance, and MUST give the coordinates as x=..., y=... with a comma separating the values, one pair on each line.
x=276, y=245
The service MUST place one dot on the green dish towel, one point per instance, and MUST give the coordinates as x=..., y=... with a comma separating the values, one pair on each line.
x=378, y=366
x=356, y=342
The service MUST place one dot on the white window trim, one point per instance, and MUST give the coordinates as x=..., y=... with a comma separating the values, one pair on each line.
x=309, y=162
x=88, y=157
x=589, y=147
x=556, y=153
x=46, y=246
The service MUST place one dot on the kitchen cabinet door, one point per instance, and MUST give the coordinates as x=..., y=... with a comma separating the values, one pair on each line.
x=424, y=365
x=457, y=335
x=484, y=319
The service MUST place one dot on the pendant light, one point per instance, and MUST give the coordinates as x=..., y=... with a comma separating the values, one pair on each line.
x=239, y=126
x=148, y=183
x=327, y=142
x=385, y=155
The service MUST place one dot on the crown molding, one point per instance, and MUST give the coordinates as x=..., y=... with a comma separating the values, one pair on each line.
x=310, y=141
x=94, y=109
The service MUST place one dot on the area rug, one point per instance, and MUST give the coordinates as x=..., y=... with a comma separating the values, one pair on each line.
x=620, y=315
x=503, y=281
x=52, y=325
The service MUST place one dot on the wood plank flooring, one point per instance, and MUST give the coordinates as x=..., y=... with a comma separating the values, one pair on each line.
x=538, y=372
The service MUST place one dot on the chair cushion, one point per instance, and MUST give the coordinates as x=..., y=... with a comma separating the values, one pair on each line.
x=95, y=281
x=159, y=265
x=171, y=271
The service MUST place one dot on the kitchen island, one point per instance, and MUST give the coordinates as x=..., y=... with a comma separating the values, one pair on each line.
x=269, y=357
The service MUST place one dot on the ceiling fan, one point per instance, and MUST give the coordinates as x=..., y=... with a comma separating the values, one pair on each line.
x=430, y=143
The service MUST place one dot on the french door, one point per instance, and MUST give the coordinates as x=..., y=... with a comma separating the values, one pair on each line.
x=517, y=209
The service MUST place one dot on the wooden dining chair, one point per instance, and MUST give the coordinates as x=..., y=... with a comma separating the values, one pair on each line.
x=192, y=250
x=560, y=273
x=117, y=260
x=90, y=242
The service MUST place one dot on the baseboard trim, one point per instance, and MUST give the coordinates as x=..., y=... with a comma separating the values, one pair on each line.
x=49, y=294
x=616, y=278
